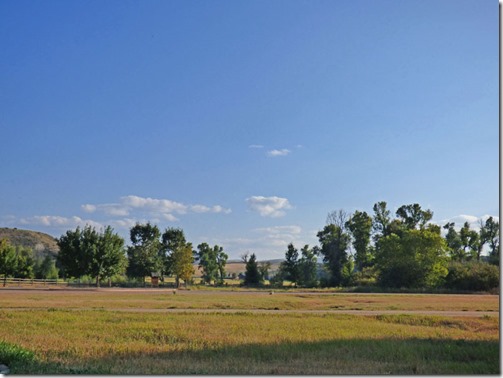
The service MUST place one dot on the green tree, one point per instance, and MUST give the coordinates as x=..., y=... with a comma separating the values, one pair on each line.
x=413, y=217
x=46, y=268
x=454, y=244
x=25, y=263
x=8, y=261
x=252, y=274
x=172, y=238
x=308, y=267
x=360, y=226
x=470, y=241
x=381, y=220
x=221, y=262
x=417, y=258
x=144, y=255
x=263, y=269
x=490, y=233
x=290, y=266
x=334, y=245
x=71, y=254
x=89, y=252
x=207, y=258
x=109, y=256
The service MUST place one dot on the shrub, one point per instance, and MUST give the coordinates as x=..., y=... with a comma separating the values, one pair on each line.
x=472, y=276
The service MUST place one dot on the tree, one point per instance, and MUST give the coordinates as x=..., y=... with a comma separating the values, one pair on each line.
x=417, y=258
x=182, y=263
x=8, y=261
x=381, y=220
x=172, y=238
x=360, y=225
x=413, y=216
x=338, y=218
x=143, y=255
x=89, y=252
x=263, y=269
x=469, y=241
x=290, y=267
x=46, y=268
x=108, y=258
x=25, y=263
x=490, y=233
x=71, y=254
x=334, y=244
x=308, y=267
x=252, y=274
x=207, y=258
x=454, y=244
x=221, y=262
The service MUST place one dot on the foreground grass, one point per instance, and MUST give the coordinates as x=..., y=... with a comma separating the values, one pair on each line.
x=108, y=342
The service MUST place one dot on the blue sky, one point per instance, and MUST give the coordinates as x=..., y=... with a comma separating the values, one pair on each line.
x=245, y=122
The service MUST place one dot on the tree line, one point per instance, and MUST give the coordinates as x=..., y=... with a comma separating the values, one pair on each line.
x=358, y=249
x=405, y=251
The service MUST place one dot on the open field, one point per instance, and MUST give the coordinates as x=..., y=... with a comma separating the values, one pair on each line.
x=101, y=331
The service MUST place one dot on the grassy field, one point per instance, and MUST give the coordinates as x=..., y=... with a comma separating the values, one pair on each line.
x=63, y=332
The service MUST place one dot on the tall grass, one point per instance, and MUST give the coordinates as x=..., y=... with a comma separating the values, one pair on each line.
x=107, y=342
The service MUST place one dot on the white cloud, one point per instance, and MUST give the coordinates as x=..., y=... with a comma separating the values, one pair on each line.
x=151, y=208
x=273, y=207
x=255, y=146
x=89, y=208
x=57, y=221
x=275, y=153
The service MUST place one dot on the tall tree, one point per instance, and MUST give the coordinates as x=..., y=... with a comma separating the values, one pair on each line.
x=182, y=263
x=252, y=274
x=308, y=267
x=172, y=238
x=360, y=225
x=89, y=252
x=109, y=257
x=490, y=233
x=221, y=262
x=71, y=255
x=334, y=246
x=8, y=261
x=381, y=220
x=413, y=217
x=290, y=266
x=143, y=255
x=469, y=241
x=454, y=243
x=207, y=258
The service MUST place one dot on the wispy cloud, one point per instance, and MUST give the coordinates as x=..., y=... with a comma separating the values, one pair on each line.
x=258, y=146
x=275, y=153
x=151, y=207
x=473, y=221
x=273, y=207
x=57, y=221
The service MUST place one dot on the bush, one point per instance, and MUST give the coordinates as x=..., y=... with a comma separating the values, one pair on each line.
x=13, y=355
x=472, y=276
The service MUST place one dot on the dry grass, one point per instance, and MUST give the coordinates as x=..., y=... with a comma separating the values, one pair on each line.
x=112, y=342
x=244, y=300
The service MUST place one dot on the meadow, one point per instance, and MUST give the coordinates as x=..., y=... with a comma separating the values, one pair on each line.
x=139, y=332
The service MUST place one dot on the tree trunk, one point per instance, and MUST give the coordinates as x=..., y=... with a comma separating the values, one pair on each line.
x=97, y=281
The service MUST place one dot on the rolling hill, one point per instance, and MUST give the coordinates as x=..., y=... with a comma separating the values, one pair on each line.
x=40, y=243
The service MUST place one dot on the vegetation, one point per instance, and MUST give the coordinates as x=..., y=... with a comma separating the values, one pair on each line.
x=370, y=251
x=107, y=341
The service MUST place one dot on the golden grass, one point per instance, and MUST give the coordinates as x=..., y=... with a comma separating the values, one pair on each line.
x=89, y=339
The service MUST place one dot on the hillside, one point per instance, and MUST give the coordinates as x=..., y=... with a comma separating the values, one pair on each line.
x=40, y=243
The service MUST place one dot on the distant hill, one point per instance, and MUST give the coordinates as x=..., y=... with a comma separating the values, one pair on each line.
x=41, y=244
